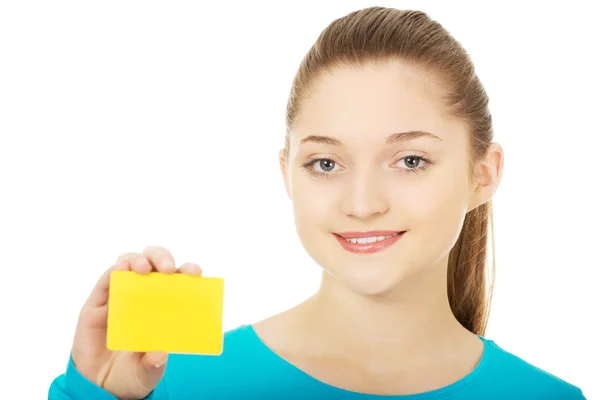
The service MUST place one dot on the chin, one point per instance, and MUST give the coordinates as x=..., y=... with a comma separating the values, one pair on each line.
x=369, y=281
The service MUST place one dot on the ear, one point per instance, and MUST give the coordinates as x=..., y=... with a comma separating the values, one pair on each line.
x=284, y=172
x=488, y=174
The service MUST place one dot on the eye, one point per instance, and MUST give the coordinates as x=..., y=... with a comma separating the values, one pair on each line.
x=324, y=165
x=320, y=167
x=412, y=161
x=413, y=164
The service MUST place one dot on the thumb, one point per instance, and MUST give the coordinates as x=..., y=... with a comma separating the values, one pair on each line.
x=151, y=368
x=154, y=360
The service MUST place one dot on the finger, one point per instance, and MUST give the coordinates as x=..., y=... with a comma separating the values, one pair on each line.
x=138, y=263
x=125, y=262
x=154, y=359
x=190, y=269
x=150, y=369
x=99, y=295
x=142, y=378
x=160, y=259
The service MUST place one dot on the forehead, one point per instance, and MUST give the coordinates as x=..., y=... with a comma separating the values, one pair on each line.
x=372, y=101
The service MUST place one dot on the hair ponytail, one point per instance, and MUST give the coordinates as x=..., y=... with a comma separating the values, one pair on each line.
x=469, y=284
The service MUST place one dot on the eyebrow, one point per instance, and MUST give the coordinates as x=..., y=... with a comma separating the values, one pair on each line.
x=393, y=138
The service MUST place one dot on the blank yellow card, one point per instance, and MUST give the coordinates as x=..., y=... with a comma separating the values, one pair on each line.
x=174, y=313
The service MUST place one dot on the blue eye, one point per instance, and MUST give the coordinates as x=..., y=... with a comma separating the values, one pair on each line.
x=319, y=167
x=325, y=165
x=413, y=163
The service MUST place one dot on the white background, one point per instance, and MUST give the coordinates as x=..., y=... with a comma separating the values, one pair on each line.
x=125, y=124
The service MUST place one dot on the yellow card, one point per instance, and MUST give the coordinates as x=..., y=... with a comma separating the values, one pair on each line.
x=174, y=313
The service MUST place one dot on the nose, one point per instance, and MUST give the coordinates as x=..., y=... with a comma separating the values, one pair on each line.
x=365, y=197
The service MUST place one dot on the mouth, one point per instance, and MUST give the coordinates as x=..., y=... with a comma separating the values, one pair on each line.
x=368, y=242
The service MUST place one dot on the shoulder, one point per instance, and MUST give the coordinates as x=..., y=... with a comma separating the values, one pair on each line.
x=239, y=367
x=510, y=373
x=238, y=349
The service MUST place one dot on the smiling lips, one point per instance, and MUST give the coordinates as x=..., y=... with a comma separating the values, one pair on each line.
x=368, y=242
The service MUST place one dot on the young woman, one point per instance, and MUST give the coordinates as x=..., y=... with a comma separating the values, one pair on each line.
x=390, y=166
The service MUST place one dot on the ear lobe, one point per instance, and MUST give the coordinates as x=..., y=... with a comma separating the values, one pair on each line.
x=488, y=176
x=283, y=168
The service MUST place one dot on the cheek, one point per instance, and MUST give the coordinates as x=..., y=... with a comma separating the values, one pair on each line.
x=436, y=206
x=313, y=202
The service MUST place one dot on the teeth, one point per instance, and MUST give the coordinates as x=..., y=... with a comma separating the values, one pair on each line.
x=371, y=239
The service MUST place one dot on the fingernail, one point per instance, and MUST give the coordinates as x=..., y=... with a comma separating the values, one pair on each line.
x=160, y=364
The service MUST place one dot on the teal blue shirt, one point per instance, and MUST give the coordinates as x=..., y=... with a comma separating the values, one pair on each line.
x=248, y=369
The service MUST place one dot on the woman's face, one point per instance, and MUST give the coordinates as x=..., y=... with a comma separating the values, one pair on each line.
x=372, y=149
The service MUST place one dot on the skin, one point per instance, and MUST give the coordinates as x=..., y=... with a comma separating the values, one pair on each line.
x=380, y=323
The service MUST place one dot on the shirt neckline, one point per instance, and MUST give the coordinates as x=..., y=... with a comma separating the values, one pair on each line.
x=334, y=392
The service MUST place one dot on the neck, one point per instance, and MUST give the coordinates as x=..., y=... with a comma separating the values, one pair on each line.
x=409, y=319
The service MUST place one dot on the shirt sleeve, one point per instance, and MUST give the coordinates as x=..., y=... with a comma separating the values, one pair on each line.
x=72, y=385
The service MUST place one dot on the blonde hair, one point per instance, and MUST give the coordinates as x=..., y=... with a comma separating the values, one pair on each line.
x=379, y=34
